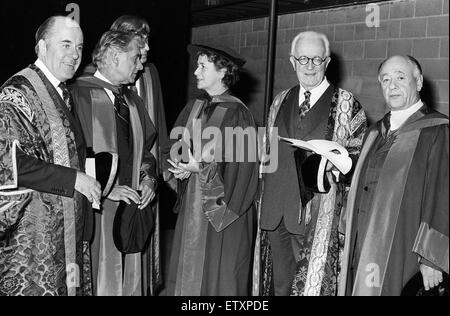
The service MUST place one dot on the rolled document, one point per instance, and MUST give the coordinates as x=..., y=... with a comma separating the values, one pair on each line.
x=90, y=171
x=332, y=151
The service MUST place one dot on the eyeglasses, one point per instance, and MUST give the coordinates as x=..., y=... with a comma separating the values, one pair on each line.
x=303, y=60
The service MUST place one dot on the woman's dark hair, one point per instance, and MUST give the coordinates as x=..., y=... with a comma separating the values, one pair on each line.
x=231, y=74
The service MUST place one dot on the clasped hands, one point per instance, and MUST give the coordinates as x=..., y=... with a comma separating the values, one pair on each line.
x=183, y=171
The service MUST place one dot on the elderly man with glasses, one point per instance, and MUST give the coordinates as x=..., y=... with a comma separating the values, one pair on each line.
x=303, y=198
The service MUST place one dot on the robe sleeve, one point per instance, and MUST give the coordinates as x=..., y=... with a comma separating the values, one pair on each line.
x=432, y=242
x=19, y=161
x=148, y=165
x=11, y=131
x=239, y=178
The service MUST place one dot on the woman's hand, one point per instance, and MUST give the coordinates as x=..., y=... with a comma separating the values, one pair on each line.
x=183, y=171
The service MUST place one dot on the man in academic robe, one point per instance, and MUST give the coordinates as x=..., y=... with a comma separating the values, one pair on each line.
x=397, y=217
x=115, y=120
x=217, y=175
x=44, y=192
x=297, y=252
x=148, y=87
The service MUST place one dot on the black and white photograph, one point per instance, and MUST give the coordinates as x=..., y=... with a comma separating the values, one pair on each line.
x=224, y=153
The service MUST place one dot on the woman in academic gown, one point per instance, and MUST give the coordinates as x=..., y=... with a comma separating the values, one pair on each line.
x=217, y=182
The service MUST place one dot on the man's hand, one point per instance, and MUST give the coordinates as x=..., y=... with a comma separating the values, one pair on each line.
x=124, y=193
x=430, y=276
x=330, y=166
x=88, y=186
x=148, y=193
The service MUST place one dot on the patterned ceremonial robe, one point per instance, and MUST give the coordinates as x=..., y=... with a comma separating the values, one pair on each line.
x=41, y=234
x=316, y=221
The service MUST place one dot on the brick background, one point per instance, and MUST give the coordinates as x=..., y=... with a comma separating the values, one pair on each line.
x=417, y=27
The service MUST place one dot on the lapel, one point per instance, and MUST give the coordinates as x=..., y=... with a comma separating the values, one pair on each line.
x=59, y=102
x=283, y=121
x=53, y=93
x=291, y=110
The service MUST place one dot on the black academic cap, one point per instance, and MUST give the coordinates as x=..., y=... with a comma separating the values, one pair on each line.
x=219, y=50
x=132, y=227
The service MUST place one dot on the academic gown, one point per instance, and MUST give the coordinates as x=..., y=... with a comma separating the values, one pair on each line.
x=405, y=219
x=225, y=256
x=107, y=260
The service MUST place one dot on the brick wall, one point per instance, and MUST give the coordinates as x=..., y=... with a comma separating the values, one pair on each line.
x=416, y=27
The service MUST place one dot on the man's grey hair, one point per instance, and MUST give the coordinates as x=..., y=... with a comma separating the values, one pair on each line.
x=112, y=40
x=311, y=35
x=131, y=24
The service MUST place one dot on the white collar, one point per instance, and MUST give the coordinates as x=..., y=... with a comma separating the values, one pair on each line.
x=316, y=92
x=400, y=117
x=110, y=94
x=99, y=75
x=55, y=82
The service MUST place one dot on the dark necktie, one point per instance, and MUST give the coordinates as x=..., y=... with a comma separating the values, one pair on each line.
x=387, y=126
x=66, y=95
x=304, y=107
x=121, y=107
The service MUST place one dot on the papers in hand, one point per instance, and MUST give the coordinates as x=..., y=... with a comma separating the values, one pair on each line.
x=90, y=171
x=103, y=167
x=332, y=151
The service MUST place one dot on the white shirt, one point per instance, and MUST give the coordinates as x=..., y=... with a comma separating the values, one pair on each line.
x=400, y=117
x=138, y=86
x=316, y=93
x=108, y=92
x=55, y=82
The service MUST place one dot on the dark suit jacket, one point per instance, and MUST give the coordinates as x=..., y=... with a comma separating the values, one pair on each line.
x=281, y=189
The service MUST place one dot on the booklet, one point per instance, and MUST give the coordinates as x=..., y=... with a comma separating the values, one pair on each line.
x=103, y=167
x=330, y=150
